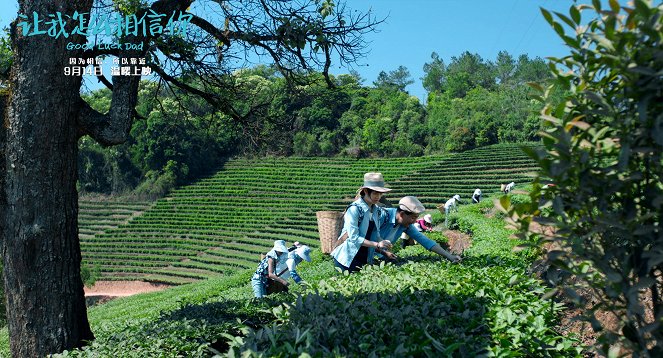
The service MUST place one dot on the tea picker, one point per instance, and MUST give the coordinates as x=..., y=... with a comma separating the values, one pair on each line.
x=401, y=220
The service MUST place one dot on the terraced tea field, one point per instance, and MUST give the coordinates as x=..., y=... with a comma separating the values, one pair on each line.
x=223, y=223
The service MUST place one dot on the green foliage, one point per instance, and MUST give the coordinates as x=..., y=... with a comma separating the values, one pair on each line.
x=482, y=118
x=6, y=59
x=472, y=103
x=3, y=310
x=423, y=307
x=158, y=183
x=90, y=275
x=395, y=80
x=194, y=143
x=434, y=72
x=466, y=72
x=105, y=170
x=603, y=149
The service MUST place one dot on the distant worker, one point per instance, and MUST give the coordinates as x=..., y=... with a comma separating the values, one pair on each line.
x=476, y=197
x=449, y=206
x=401, y=220
x=509, y=187
x=425, y=224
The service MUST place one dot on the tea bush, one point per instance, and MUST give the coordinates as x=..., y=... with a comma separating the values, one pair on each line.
x=425, y=306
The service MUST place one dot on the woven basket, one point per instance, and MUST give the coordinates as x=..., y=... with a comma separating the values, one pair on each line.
x=330, y=224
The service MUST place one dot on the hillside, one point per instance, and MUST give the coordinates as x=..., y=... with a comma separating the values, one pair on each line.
x=222, y=223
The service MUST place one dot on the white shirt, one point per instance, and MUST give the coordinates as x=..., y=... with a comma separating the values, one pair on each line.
x=450, y=203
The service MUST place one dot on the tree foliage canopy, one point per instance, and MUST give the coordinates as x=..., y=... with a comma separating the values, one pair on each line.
x=603, y=151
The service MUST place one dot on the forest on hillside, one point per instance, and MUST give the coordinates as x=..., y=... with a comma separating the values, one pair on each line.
x=471, y=102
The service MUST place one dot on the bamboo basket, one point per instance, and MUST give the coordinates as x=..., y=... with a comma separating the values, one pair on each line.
x=330, y=224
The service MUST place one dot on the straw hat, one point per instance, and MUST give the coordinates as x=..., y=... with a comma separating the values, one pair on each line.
x=411, y=204
x=374, y=181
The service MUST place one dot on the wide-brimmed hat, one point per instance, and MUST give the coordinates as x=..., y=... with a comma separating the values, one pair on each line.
x=457, y=197
x=374, y=181
x=279, y=245
x=428, y=218
x=304, y=252
x=411, y=204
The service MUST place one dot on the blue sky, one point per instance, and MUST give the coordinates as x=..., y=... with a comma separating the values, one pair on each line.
x=413, y=29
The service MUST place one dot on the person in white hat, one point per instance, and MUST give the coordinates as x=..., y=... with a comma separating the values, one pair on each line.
x=509, y=187
x=400, y=220
x=449, y=206
x=476, y=196
x=360, y=237
x=267, y=269
x=426, y=223
x=422, y=224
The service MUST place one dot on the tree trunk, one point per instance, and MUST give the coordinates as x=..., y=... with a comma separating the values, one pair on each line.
x=41, y=253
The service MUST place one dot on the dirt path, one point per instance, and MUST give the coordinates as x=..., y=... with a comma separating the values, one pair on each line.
x=122, y=288
x=458, y=241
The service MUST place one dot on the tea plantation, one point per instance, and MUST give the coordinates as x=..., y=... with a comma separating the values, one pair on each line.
x=222, y=223
x=422, y=306
x=488, y=305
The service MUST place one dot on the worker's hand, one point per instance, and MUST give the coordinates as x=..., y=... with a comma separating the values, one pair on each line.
x=455, y=259
x=384, y=245
x=390, y=255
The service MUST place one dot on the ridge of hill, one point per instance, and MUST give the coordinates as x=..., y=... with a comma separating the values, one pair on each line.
x=221, y=224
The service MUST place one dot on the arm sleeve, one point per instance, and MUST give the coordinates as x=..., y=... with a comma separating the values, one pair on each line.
x=292, y=266
x=420, y=238
x=351, y=225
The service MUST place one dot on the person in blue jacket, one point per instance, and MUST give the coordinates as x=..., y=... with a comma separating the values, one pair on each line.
x=360, y=238
x=400, y=220
x=296, y=255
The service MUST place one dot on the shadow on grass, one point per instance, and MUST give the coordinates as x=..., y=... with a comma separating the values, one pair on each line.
x=395, y=324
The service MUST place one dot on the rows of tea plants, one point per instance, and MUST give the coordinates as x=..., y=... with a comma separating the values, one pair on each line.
x=422, y=306
x=484, y=168
x=99, y=215
x=224, y=222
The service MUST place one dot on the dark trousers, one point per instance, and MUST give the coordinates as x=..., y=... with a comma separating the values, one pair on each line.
x=360, y=259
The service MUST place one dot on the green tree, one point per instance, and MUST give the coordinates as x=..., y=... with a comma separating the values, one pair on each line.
x=531, y=70
x=603, y=150
x=505, y=68
x=466, y=72
x=395, y=80
x=6, y=59
x=434, y=74
x=377, y=135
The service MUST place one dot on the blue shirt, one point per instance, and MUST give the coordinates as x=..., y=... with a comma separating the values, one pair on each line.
x=291, y=262
x=356, y=230
x=391, y=230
